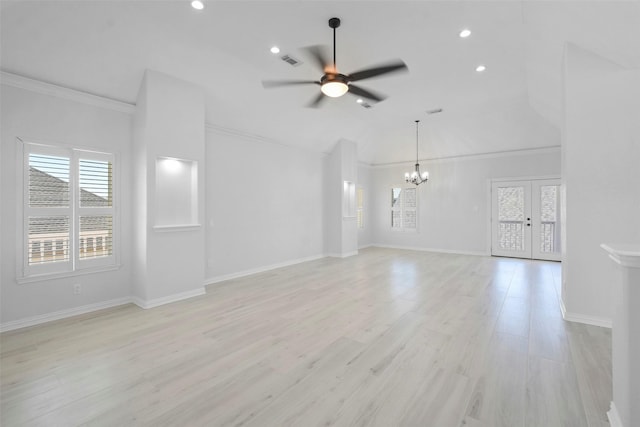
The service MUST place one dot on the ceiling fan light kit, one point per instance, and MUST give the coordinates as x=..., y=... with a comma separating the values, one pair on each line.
x=334, y=84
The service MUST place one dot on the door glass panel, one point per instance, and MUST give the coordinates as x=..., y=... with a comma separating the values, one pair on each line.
x=511, y=218
x=511, y=204
x=548, y=218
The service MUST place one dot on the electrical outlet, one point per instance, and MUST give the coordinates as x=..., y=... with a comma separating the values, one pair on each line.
x=77, y=288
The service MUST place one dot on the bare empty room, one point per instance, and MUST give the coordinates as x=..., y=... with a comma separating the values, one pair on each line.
x=320, y=213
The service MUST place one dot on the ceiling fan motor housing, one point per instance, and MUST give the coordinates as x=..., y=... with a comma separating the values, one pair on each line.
x=329, y=77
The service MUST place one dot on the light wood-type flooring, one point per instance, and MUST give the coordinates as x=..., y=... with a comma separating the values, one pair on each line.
x=385, y=338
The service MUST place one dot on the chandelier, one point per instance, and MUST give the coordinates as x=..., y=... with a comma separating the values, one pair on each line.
x=416, y=177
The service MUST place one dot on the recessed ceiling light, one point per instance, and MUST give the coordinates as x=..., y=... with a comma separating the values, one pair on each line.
x=465, y=33
x=480, y=68
x=359, y=101
x=275, y=50
x=197, y=4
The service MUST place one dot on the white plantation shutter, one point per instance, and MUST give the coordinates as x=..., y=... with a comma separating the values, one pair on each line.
x=404, y=209
x=48, y=210
x=48, y=239
x=95, y=177
x=48, y=181
x=396, y=208
x=68, y=211
x=410, y=209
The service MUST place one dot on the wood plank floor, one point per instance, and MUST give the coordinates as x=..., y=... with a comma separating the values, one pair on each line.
x=385, y=338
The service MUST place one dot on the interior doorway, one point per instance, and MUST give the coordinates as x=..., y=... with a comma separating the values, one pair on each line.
x=525, y=219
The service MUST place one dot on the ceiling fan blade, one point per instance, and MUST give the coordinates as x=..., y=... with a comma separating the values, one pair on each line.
x=393, y=67
x=358, y=91
x=278, y=83
x=319, y=55
x=316, y=101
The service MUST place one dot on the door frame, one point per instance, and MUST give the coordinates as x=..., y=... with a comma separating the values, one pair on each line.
x=538, y=179
x=526, y=223
x=535, y=226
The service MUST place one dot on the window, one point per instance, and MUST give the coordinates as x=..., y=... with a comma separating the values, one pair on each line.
x=404, y=209
x=68, y=212
x=359, y=207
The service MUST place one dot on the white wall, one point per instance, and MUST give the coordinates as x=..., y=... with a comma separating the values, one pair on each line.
x=364, y=180
x=601, y=176
x=30, y=115
x=264, y=201
x=169, y=123
x=454, y=205
x=264, y=204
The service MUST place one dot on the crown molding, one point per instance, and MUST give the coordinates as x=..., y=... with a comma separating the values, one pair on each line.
x=26, y=83
x=221, y=130
x=44, y=88
x=479, y=156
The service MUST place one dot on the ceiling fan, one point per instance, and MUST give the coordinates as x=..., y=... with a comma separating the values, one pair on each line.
x=334, y=84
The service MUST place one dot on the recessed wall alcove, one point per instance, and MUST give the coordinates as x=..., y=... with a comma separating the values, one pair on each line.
x=176, y=194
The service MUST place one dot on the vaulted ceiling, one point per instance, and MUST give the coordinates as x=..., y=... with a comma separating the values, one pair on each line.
x=103, y=47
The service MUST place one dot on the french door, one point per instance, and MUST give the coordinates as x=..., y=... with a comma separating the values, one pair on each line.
x=525, y=219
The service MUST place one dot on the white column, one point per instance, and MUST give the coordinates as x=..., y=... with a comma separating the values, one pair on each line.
x=600, y=176
x=341, y=177
x=168, y=157
x=625, y=407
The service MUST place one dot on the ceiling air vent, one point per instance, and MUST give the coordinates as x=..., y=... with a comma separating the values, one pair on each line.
x=291, y=60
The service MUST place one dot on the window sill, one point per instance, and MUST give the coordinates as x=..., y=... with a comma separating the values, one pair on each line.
x=52, y=276
x=180, y=227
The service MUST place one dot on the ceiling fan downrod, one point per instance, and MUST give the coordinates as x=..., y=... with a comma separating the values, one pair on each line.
x=334, y=23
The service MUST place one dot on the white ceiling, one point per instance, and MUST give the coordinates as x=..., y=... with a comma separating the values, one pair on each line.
x=103, y=47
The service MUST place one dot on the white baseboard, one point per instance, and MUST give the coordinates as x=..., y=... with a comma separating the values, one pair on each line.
x=264, y=268
x=342, y=255
x=583, y=318
x=364, y=247
x=62, y=314
x=444, y=251
x=146, y=304
x=614, y=416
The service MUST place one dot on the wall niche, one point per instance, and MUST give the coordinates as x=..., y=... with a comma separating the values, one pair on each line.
x=176, y=194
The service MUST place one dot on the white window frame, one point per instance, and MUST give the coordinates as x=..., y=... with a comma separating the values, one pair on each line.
x=360, y=207
x=75, y=265
x=402, y=209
